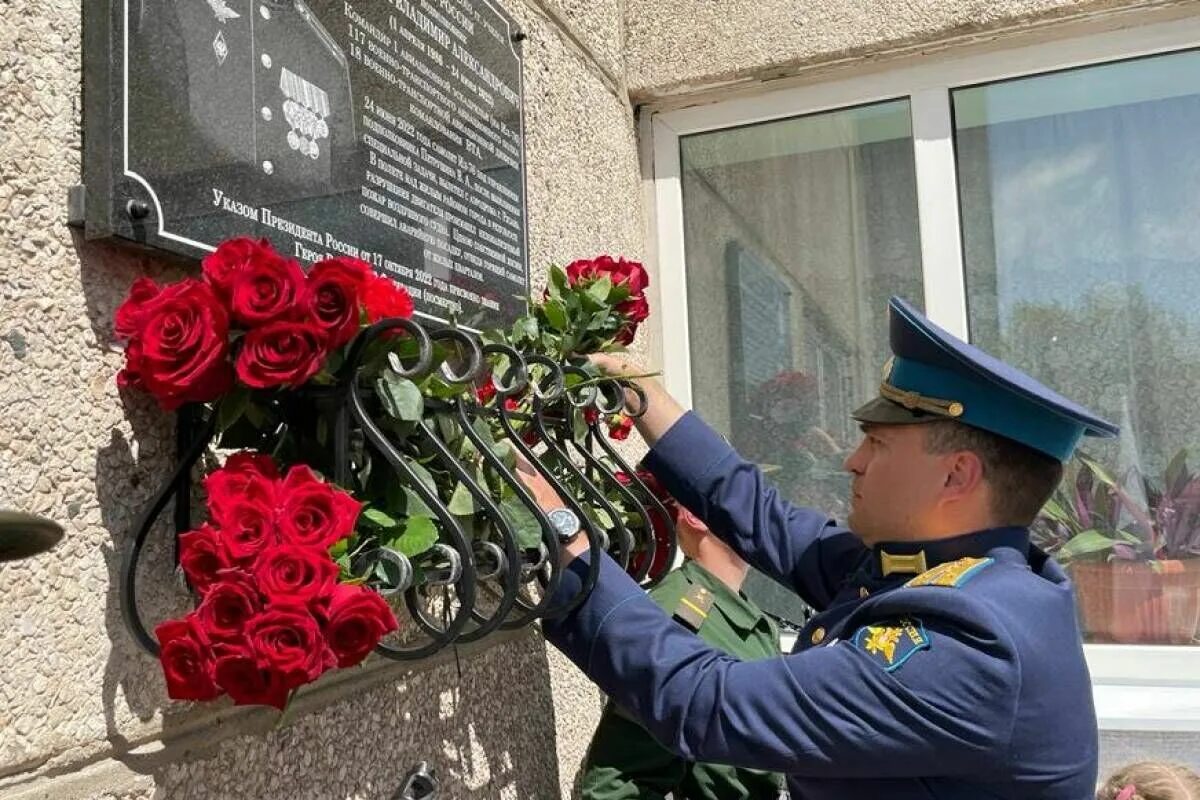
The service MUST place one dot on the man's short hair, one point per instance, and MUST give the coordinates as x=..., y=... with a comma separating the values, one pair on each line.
x=1021, y=479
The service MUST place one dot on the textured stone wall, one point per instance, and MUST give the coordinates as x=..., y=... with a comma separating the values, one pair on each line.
x=677, y=46
x=83, y=713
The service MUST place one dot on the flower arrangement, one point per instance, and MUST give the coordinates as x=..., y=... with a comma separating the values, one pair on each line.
x=273, y=614
x=258, y=344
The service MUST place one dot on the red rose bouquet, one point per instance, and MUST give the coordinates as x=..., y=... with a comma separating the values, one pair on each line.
x=253, y=320
x=289, y=569
x=272, y=614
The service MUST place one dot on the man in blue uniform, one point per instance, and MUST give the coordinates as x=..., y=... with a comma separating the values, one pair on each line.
x=945, y=660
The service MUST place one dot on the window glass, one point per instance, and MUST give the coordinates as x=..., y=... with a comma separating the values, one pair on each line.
x=1080, y=199
x=796, y=233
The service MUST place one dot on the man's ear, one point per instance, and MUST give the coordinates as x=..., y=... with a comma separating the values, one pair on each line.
x=964, y=474
x=692, y=520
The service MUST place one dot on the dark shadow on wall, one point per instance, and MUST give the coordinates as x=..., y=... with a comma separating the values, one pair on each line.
x=485, y=724
x=129, y=469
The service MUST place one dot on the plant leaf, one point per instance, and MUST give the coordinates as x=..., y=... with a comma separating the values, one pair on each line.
x=556, y=315
x=600, y=290
x=1085, y=543
x=380, y=518
x=419, y=535
x=462, y=502
x=401, y=397
x=525, y=525
x=232, y=407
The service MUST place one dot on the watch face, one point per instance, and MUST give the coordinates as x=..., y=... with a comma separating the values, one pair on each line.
x=564, y=521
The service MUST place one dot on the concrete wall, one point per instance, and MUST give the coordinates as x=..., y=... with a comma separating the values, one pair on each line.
x=83, y=713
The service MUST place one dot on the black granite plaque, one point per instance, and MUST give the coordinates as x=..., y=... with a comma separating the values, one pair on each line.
x=389, y=130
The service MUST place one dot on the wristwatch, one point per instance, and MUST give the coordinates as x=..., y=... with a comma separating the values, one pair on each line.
x=565, y=523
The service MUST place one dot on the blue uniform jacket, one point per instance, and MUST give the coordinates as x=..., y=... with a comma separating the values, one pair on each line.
x=972, y=685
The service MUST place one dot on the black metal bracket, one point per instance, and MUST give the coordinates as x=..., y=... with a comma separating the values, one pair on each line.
x=456, y=570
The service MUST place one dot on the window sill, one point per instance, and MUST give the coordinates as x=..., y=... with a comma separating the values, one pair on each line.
x=1133, y=705
x=1124, y=707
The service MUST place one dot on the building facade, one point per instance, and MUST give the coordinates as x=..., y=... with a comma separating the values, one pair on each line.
x=1023, y=169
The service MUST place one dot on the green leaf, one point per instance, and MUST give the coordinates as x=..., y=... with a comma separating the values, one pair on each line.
x=600, y=290
x=423, y=474
x=556, y=315
x=462, y=502
x=602, y=518
x=414, y=506
x=401, y=397
x=448, y=428
x=1085, y=543
x=442, y=389
x=255, y=415
x=1175, y=474
x=525, y=329
x=506, y=453
x=232, y=407
x=379, y=518
x=525, y=525
x=559, y=284
x=323, y=430
x=419, y=535
x=1054, y=510
x=339, y=548
x=1097, y=470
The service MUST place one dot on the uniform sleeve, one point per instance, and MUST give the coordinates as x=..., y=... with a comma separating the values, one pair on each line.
x=799, y=547
x=832, y=711
x=625, y=762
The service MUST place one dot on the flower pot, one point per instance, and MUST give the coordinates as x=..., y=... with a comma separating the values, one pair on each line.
x=1139, y=602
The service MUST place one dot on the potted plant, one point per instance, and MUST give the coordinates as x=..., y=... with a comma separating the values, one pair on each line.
x=1132, y=548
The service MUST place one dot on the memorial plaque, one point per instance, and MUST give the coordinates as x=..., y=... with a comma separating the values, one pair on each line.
x=388, y=130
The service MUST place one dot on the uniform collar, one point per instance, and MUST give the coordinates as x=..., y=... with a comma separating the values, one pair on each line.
x=736, y=607
x=891, y=559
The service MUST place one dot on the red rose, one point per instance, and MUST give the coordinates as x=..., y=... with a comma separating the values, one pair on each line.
x=286, y=638
x=127, y=320
x=634, y=311
x=179, y=352
x=237, y=672
x=268, y=289
x=355, y=619
x=186, y=660
x=248, y=462
x=231, y=601
x=313, y=512
x=222, y=267
x=281, y=354
x=288, y=572
x=620, y=427
x=512, y=404
x=486, y=392
x=632, y=274
x=201, y=557
x=335, y=286
x=591, y=415
x=384, y=298
x=244, y=476
x=247, y=528
x=619, y=271
x=583, y=269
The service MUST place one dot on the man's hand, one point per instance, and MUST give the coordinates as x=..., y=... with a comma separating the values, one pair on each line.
x=548, y=500
x=662, y=410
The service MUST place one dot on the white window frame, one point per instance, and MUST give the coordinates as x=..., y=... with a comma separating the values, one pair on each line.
x=1136, y=687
